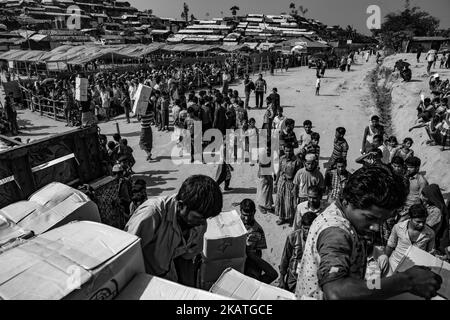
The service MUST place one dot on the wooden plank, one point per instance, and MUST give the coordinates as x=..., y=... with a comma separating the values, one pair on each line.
x=8, y=139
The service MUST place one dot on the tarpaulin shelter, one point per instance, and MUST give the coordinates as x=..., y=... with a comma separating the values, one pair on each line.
x=23, y=55
x=191, y=47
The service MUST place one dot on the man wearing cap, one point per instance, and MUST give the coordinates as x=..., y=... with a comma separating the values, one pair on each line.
x=308, y=176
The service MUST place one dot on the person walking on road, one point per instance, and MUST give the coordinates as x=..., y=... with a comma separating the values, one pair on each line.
x=260, y=90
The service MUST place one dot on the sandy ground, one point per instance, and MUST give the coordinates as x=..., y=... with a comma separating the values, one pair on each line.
x=405, y=99
x=344, y=101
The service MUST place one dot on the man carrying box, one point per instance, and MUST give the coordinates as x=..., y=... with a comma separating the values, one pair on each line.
x=171, y=228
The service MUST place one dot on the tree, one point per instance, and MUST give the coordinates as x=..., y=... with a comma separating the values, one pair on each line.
x=234, y=10
x=193, y=18
x=350, y=32
x=402, y=26
x=294, y=11
x=185, y=13
x=302, y=10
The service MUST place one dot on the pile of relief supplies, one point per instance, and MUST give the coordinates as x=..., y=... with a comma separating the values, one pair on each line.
x=53, y=246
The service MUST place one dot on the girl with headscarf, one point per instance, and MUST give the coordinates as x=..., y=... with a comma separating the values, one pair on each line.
x=438, y=215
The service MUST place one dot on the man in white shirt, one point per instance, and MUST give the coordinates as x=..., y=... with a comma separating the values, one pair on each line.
x=430, y=57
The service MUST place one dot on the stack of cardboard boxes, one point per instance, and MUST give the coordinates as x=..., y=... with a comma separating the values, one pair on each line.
x=80, y=260
x=50, y=207
x=142, y=97
x=223, y=247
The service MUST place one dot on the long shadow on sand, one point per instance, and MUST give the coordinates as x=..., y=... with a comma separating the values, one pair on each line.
x=241, y=191
x=154, y=180
x=26, y=124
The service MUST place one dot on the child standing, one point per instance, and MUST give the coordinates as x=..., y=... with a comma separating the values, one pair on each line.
x=317, y=85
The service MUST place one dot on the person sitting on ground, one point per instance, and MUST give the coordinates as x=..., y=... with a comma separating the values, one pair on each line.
x=405, y=151
x=293, y=252
x=255, y=266
x=314, y=204
x=411, y=232
x=172, y=227
x=444, y=130
x=417, y=182
x=334, y=259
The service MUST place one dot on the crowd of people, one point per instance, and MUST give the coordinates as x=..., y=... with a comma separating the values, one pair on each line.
x=433, y=113
x=333, y=214
x=337, y=218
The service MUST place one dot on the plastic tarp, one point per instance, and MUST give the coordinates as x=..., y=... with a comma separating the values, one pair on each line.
x=192, y=47
x=309, y=43
x=23, y=55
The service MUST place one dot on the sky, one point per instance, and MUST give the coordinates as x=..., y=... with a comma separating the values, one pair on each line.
x=329, y=12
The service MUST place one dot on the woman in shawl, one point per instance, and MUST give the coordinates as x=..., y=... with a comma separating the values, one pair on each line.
x=286, y=201
x=438, y=215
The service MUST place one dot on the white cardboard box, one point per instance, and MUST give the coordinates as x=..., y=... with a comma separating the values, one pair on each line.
x=81, y=89
x=52, y=206
x=235, y=285
x=70, y=209
x=417, y=257
x=10, y=232
x=54, y=193
x=148, y=287
x=141, y=99
x=78, y=261
x=225, y=237
x=211, y=270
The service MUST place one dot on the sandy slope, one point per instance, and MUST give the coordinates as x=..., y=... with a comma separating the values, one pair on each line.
x=405, y=99
x=345, y=101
